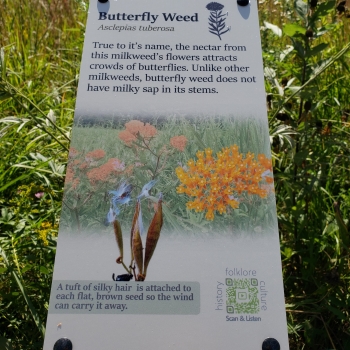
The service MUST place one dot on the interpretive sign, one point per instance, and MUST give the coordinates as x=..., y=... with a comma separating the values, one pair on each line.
x=168, y=236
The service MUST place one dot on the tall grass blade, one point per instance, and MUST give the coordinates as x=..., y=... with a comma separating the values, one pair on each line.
x=31, y=307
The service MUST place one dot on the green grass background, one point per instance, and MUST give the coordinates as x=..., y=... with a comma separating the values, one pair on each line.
x=41, y=45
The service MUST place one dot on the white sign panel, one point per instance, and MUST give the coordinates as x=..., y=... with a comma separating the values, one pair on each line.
x=168, y=235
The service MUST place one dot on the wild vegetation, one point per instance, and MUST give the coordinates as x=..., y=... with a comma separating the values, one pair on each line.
x=306, y=58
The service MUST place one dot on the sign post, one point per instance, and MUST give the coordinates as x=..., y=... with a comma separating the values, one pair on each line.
x=168, y=235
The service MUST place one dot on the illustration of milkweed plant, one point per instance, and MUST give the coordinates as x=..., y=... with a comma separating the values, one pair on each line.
x=89, y=174
x=150, y=153
x=139, y=258
x=142, y=155
x=217, y=19
x=220, y=183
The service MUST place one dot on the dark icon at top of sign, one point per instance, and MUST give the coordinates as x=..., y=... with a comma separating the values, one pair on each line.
x=63, y=344
x=103, y=1
x=217, y=24
x=243, y=2
x=270, y=344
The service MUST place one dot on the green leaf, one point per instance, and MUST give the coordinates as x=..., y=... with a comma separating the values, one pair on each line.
x=316, y=50
x=345, y=65
x=293, y=29
x=288, y=252
x=44, y=270
x=343, y=230
x=22, y=288
x=26, y=268
x=5, y=344
x=336, y=312
x=10, y=183
x=21, y=177
x=323, y=9
x=300, y=157
x=299, y=48
x=4, y=95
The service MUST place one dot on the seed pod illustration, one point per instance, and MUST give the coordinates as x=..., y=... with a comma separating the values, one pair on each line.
x=141, y=277
x=153, y=234
x=118, y=237
x=134, y=221
x=137, y=249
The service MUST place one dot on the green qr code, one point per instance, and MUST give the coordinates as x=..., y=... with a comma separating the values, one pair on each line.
x=242, y=296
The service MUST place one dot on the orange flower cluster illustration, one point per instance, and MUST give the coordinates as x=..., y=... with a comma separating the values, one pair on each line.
x=145, y=132
x=179, y=142
x=216, y=182
x=89, y=166
x=136, y=128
